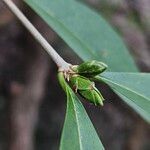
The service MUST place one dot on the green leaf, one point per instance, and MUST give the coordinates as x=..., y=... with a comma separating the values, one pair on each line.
x=78, y=131
x=133, y=88
x=85, y=31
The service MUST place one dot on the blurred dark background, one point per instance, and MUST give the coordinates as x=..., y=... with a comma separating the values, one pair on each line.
x=32, y=104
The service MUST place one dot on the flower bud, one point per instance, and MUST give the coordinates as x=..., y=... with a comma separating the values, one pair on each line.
x=93, y=96
x=80, y=83
x=86, y=89
x=90, y=68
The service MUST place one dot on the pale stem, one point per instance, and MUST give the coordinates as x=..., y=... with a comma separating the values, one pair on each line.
x=61, y=63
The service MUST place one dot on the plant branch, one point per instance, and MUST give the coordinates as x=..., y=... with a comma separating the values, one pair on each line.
x=61, y=63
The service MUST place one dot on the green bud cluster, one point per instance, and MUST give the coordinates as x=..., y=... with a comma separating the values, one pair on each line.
x=86, y=89
x=81, y=82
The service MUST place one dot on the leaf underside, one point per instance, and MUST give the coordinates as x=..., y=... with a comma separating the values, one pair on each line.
x=133, y=88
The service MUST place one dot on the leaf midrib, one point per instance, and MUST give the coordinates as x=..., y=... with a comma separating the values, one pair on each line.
x=141, y=109
x=124, y=87
x=133, y=102
x=77, y=120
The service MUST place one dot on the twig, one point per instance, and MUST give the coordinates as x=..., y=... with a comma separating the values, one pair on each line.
x=61, y=63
